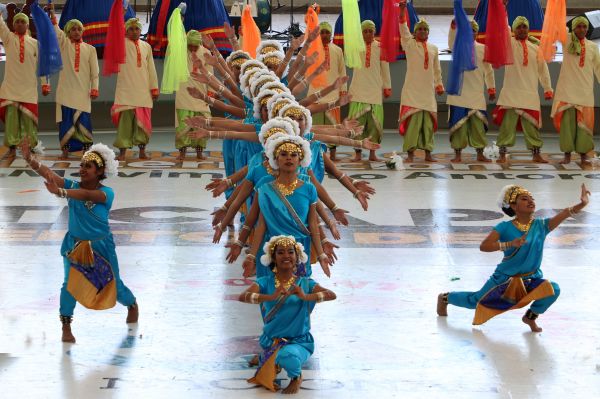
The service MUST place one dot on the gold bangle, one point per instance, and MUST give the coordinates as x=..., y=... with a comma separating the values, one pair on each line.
x=246, y=227
x=320, y=296
x=254, y=298
x=251, y=256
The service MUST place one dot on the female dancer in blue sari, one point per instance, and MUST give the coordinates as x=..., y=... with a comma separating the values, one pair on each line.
x=518, y=279
x=286, y=302
x=287, y=205
x=90, y=260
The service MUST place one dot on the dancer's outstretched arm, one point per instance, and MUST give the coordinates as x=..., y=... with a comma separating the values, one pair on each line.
x=200, y=133
x=571, y=211
x=218, y=104
x=316, y=96
x=249, y=264
x=242, y=195
x=338, y=213
x=361, y=196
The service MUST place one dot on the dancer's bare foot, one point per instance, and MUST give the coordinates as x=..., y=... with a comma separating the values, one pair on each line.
x=293, y=387
x=481, y=157
x=537, y=158
x=122, y=153
x=429, y=157
x=532, y=324
x=199, y=154
x=143, y=154
x=410, y=156
x=67, y=335
x=584, y=160
x=457, y=157
x=566, y=159
x=442, y=305
x=501, y=158
x=357, y=157
x=133, y=313
x=181, y=155
x=373, y=157
x=12, y=152
x=253, y=362
x=64, y=154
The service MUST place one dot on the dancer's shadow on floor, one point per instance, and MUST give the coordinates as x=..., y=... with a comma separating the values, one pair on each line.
x=521, y=366
x=78, y=383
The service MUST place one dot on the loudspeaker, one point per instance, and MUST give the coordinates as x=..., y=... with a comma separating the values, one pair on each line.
x=593, y=18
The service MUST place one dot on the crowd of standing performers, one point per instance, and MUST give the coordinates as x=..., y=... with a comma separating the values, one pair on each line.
x=518, y=104
x=278, y=125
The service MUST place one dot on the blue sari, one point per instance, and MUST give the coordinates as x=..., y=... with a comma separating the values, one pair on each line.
x=517, y=280
x=317, y=164
x=286, y=216
x=286, y=338
x=88, y=222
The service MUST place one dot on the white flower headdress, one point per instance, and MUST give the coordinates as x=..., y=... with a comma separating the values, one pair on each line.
x=276, y=125
x=287, y=98
x=304, y=110
x=272, y=146
x=260, y=98
x=260, y=79
x=271, y=245
x=268, y=46
x=111, y=165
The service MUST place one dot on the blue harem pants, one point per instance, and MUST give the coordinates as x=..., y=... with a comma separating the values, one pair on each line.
x=67, y=302
x=469, y=300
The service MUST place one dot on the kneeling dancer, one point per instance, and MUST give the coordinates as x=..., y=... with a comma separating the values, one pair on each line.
x=518, y=279
x=286, y=302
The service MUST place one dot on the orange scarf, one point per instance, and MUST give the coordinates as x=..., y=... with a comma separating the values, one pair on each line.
x=426, y=54
x=139, y=54
x=22, y=48
x=525, y=52
x=582, y=55
x=327, y=57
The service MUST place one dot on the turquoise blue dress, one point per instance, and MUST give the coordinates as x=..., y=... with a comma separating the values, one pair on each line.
x=89, y=221
x=317, y=164
x=292, y=322
x=279, y=219
x=526, y=261
x=229, y=145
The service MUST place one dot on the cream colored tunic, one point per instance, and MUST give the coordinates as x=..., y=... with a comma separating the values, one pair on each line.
x=472, y=93
x=520, y=89
x=337, y=69
x=368, y=83
x=135, y=83
x=20, y=82
x=576, y=84
x=183, y=99
x=419, y=83
x=74, y=87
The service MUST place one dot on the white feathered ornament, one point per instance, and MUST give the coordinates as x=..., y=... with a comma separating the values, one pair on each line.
x=267, y=259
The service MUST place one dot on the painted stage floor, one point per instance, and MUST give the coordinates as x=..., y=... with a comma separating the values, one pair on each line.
x=381, y=338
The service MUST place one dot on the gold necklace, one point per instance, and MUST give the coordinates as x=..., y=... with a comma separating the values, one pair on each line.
x=521, y=226
x=287, y=284
x=287, y=189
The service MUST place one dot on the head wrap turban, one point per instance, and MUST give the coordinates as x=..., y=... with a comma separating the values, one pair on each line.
x=194, y=38
x=520, y=21
x=20, y=17
x=325, y=26
x=367, y=24
x=475, y=26
x=422, y=23
x=131, y=22
x=73, y=22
